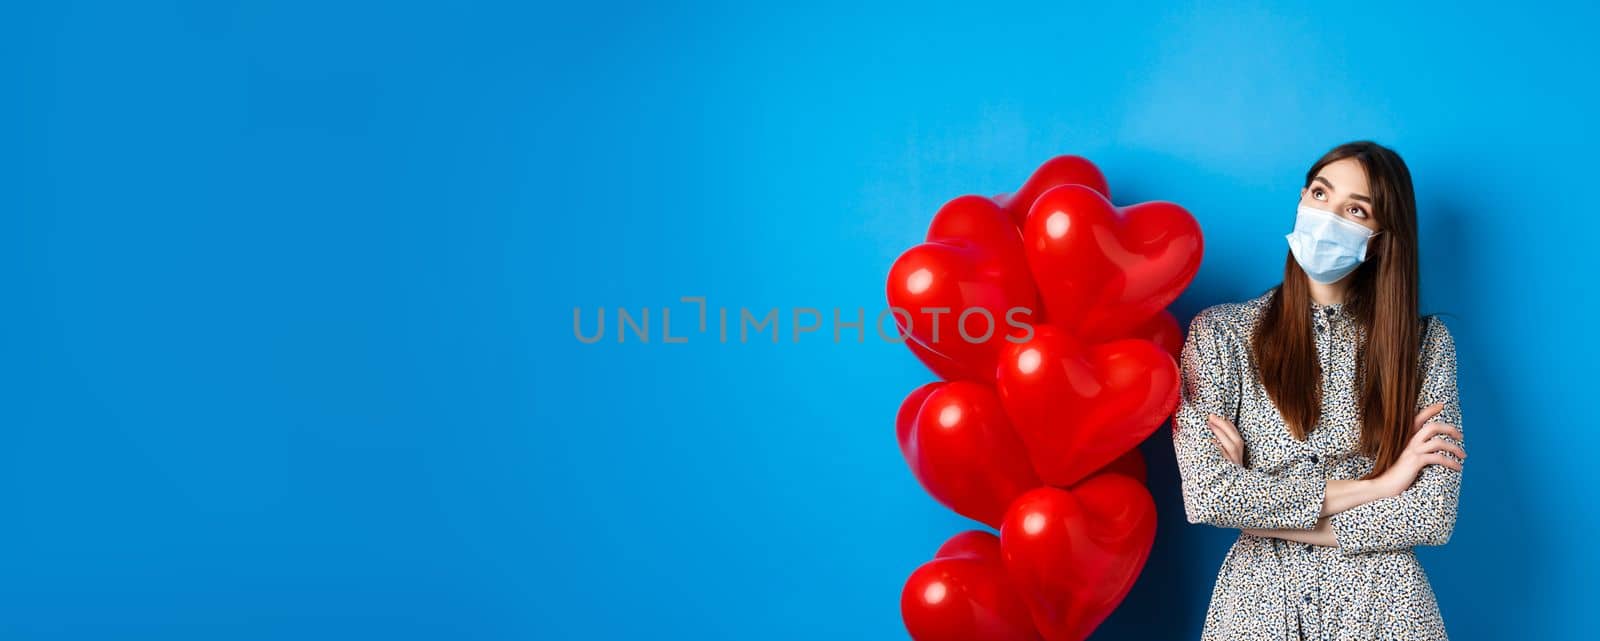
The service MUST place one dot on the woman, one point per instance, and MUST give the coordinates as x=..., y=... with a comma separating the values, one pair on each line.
x=1321, y=419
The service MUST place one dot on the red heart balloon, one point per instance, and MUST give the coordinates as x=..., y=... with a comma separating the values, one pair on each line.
x=1103, y=271
x=1078, y=407
x=964, y=452
x=977, y=221
x=1131, y=465
x=963, y=595
x=942, y=366
x=971, y=543
x=1074, y=554
x=1061, y=170
x=964, y=291
x=908, y=415
x=1162, y=329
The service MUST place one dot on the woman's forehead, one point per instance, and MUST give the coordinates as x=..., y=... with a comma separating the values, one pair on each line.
x=1345, y=175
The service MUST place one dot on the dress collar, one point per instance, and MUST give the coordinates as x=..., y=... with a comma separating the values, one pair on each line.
x=1335, y=310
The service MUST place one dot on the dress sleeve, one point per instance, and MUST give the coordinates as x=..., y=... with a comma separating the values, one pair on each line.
x=1215, y=490
x=1424, y=514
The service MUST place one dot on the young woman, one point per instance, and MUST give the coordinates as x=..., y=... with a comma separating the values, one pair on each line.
x=1321, y=419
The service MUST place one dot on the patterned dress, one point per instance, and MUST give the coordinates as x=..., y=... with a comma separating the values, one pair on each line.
x=1368, y=587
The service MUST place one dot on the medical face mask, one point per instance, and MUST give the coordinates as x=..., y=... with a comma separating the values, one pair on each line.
x=1327, y=246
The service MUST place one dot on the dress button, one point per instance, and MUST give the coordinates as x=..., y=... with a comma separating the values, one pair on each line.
x=1313, y=458
x=1307, y=598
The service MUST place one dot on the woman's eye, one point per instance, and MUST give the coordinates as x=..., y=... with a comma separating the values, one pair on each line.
x=1317, y=194
x=1356, y=211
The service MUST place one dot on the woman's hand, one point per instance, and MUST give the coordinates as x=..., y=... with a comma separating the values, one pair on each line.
x=1423, y=450
x=1228, y=438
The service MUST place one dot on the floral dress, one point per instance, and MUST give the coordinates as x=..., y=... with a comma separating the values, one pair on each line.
x=1368, y=587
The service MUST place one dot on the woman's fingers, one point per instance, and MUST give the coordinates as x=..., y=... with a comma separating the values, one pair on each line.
x=1437, y=458
x=1222, y=441
x=1228, y=438
x=1437, y=445
x=1434, y=429
x=1431, y=450
x=1231, y=432
x=1426, y=413
x=1220, y=427
x=1230, y=453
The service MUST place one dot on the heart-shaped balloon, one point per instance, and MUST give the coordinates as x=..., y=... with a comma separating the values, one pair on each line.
x=1077, y=406
x=908, y=415
x=977, y=221
x=1073, y=554
x=1131, y=465
x=1057, y=171
x=1104, y=271
x=963, y=594
x=966, y=455
x=1162, y=329
x=942, y=366
x=960, y=295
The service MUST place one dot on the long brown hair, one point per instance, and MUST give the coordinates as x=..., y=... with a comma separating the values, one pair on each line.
x=1382, y=298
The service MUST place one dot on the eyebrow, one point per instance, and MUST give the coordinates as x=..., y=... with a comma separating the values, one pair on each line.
x=1360, y=197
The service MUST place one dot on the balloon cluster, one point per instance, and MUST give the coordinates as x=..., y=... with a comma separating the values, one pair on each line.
x=1044, y=311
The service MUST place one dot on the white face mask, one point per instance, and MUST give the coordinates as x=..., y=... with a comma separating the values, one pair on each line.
x=1327, y=246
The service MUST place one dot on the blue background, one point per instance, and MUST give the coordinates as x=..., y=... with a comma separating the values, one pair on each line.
x=288, y=349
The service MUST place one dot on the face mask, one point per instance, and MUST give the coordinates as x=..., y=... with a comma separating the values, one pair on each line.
x=1327, y=246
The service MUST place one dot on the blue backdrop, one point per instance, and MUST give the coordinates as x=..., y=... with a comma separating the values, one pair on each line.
x=289, y=347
